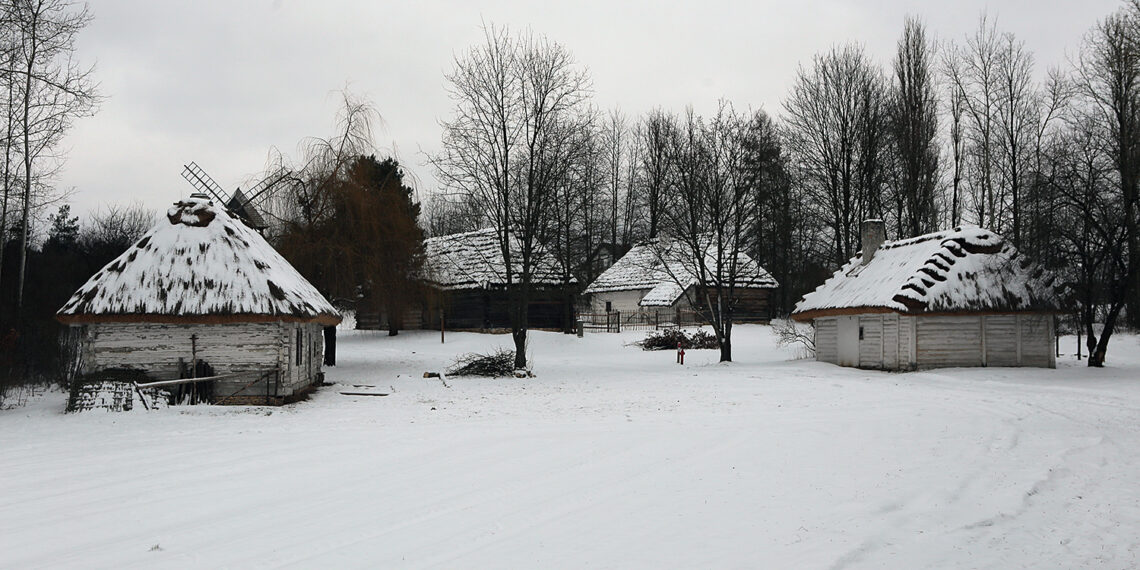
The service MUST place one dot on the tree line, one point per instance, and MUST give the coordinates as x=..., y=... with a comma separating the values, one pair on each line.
x=963, y=131
x=43, y=89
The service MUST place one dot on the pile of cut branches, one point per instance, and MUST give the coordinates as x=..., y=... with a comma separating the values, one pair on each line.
x=498, y=364
x=668, y=339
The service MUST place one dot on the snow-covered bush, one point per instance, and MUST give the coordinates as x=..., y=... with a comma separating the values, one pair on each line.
x=668, y=339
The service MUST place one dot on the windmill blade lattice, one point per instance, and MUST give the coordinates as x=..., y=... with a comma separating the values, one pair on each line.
x=261, y=190
x=203, y=183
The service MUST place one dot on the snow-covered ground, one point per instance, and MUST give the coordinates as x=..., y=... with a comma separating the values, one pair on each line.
x=610, y=458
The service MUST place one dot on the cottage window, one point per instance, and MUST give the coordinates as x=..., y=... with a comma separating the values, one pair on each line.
x=860, y=336
x=298, y=352
x=609, y=306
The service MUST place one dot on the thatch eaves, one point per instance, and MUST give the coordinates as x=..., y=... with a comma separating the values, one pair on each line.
x=199, y=264
x=964, y=270
x=659, y=265
x=474, y=260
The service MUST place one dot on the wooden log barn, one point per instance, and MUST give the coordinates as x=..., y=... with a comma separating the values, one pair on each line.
x=468, y=274
x=202, y=295
x=961, y=297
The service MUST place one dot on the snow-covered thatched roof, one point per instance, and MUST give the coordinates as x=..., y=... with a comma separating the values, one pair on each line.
x=474, y=260
x=660, y=266
x=198, y=265
x=966, y=269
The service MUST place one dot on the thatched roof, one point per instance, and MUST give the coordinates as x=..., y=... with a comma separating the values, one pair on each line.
x=964, y=270
x=474, y=260
x=660, y=267
x=199, y=265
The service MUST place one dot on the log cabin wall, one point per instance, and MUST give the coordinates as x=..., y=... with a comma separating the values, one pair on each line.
x=826, y=340
x=484, y=309
x=157, y=348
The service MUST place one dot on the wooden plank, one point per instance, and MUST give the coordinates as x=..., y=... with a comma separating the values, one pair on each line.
x=163, y=383
x=826, y=340
x=948, y=341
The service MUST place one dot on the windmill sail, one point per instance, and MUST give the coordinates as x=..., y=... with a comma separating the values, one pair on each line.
x=241, y=204
x=245, y=210
x=260, y=192
x=203, y=183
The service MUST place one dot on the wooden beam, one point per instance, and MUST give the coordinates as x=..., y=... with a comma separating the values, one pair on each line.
x=164, y=383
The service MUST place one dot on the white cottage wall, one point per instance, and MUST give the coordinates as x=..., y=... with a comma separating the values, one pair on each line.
x=891, y=341
x=871, y=341
x=308, y=338
x=624, y=301
x=1037, y=343
x=234, y=347
x=949, y=341
x=1001, y=340
x=902, y=342
x=157, y=347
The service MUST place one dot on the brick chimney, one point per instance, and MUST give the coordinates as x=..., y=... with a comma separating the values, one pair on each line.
x=874, y=234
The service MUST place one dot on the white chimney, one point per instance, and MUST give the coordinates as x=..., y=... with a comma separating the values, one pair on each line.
x=874, y=234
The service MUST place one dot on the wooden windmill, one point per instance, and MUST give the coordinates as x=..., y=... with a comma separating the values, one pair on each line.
x=243, y=205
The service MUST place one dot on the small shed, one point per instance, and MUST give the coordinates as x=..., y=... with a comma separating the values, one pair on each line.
x=960, y=297
x=203, y=291
x=652, y=277
x=468, y=272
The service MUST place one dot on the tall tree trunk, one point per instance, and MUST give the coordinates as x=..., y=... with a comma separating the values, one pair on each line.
x=27, y=167
x=8, y=142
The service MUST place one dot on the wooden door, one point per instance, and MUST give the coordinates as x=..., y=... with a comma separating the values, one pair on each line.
x=848, y=340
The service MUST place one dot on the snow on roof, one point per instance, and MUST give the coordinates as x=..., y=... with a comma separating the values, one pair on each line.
x=474, y=260
x=199, y=262
x=966, y=269
x=645, y=267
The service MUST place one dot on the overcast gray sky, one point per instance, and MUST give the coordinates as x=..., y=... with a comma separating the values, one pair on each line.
x=221, y=82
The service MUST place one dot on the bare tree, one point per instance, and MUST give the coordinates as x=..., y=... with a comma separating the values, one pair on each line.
x=303, y=206
x=54, y=91
x=1018, y=113
x=518, y=102
x=615, y=137
x=835, y=131
x=111, y=230
x=712, y=218
x=914, y=129
x=972, y=72
x=444, y=215
x=303, y=197
x=1108, y=77
x=657, y=133
x=955, y=107
x=775, y=214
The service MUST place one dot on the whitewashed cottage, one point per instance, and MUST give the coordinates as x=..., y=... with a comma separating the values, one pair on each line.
x=201, y=290
x=961, y=297
x=652, y=277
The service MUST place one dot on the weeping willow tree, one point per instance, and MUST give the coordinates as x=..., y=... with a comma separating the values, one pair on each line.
x=348, y=221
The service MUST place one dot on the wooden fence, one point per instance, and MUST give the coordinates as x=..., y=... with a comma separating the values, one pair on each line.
x=657, y=319
x=617, y=321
